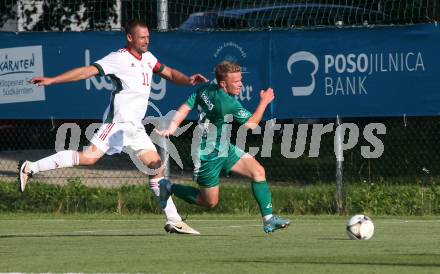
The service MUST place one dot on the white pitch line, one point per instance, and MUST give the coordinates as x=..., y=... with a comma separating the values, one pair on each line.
x=69, y=233
x=409, y=221
x=154, y=229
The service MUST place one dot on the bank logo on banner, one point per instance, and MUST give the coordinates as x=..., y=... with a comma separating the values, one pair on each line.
x=308, y=57
x=347, y=74
x=17, y=67
x=233, y=52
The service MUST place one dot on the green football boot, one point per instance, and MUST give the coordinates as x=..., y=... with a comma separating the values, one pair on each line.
x=275, y=223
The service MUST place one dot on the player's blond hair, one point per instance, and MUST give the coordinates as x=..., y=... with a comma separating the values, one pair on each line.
x=222, y=69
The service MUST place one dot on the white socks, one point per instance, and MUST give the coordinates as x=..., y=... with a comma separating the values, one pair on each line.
x=267, y=217
x=66, y=158
x=170, y=210
x=70, y=158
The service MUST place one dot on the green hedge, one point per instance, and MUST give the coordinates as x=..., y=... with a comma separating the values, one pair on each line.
x=374, y=199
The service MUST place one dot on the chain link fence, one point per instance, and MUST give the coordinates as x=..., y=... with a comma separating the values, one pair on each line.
x=410, y=143
x=81, y=15
x=410, y=154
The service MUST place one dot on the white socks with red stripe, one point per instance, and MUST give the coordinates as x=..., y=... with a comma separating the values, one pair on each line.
x=170, y=210
x=66, y=158
x=69, y=158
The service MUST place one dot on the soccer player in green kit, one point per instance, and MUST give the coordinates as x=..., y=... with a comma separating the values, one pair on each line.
x=217, y=105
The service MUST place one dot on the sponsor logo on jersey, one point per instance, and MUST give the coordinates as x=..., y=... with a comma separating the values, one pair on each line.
x=206, y=100
x=243, y=113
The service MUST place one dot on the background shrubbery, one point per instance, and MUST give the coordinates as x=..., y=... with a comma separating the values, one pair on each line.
x=373, y=199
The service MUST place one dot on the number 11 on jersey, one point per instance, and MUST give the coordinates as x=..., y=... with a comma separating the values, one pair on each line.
x=145, y=76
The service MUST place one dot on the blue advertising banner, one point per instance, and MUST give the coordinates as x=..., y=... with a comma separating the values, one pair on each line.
x=350, y=72
x=357, y=72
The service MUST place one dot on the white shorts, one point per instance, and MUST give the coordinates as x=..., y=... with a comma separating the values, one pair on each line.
x=112, y=138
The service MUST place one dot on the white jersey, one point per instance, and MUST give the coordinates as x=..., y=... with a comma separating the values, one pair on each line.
x=131, y=79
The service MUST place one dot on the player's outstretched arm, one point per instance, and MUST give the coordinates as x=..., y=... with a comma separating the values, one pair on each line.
x=266, y=97
x=178, y=118
x=73, y=75
x=179, y=78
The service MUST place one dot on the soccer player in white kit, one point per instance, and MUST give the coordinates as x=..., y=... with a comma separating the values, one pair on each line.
x=131, y=70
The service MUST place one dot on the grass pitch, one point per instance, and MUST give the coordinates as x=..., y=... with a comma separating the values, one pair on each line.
x=228, y=244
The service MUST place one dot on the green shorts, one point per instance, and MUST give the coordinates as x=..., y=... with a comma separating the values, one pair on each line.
x=207, y=175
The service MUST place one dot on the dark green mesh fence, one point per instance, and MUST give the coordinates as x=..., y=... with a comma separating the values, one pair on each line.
x=410, y=155
x=79, y=15
x=410, y=144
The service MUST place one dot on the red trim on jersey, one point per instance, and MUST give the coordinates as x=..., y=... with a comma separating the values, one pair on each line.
x=157, y=67
x=106, y=131
x=134, y=53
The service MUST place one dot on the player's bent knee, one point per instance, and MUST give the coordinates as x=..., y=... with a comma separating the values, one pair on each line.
x=210, y=204
x=259, y=173
x=155, y=164
x=150, y=158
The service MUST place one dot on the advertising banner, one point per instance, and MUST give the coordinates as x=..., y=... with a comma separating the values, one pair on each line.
x=18, y=65
x=321, y=73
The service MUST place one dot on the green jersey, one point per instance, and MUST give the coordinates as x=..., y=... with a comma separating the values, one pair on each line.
x=216, y=108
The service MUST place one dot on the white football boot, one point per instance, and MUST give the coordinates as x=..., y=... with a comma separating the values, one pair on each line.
x=24, y=173
x=180, y=228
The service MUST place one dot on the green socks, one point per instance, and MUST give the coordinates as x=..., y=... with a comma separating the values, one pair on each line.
x=263, y=196
x=186, y=193
x=260, y=190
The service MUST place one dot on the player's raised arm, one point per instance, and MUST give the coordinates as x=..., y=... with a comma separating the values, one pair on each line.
x=178, y=118
x=179, y=78
x=73, y=75
x=266, y=97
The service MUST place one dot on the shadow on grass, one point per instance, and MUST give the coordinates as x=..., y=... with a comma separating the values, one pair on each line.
x=79, y=235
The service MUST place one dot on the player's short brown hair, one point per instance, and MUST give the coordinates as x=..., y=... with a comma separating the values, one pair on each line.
x=132, y=24
x=222, y=69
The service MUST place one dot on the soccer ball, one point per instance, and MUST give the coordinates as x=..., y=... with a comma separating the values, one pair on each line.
x=360, y=227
